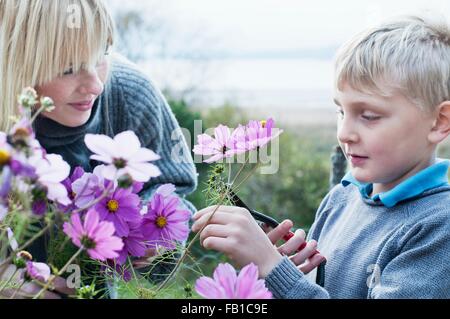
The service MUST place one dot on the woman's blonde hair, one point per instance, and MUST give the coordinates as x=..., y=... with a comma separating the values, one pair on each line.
x=410, y=54
x=40, y=39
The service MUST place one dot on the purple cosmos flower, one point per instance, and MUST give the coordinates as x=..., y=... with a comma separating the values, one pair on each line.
x=217, y=147
x=121, y=208
x=77, y=173
x=166, y=190
x=39, y=207
x=225, y=284
x=165, y=222
x=51, y=171
x=134, y=244
x=38, y=271
x=124, y=155
x=96, y=236
x=89, y=187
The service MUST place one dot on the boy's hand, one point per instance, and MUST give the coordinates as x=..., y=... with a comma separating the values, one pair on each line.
x=233, y=231
x=306, y=259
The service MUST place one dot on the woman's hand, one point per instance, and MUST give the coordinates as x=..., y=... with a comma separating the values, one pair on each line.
x=29, y=289
x=234, y=232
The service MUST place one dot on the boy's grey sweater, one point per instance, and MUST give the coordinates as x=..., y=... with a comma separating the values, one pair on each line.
x=374, y=251
x=130, y=102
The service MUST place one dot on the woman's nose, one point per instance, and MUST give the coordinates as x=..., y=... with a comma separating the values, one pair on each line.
x=91, y=84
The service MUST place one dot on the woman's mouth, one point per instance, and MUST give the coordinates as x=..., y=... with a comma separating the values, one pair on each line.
x=82, y=106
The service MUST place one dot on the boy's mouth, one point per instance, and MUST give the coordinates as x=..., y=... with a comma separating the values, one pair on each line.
x=357, y=160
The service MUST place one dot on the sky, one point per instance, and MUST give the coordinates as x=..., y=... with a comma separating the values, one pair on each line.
x=258, y=52
x=251, y=26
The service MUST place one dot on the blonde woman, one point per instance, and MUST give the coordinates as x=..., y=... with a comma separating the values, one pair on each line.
x=62, y=49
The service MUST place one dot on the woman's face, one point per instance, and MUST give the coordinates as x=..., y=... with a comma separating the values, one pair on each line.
x=74, y=94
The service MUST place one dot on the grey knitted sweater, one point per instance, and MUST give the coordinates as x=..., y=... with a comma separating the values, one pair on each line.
x=375, y=251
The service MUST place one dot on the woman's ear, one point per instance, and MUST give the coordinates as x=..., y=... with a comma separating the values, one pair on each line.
x=441, y=128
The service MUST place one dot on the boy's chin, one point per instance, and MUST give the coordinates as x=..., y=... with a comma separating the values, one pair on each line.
x=362, y=176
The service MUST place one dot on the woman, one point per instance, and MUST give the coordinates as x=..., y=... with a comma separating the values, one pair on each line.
x=62, y=49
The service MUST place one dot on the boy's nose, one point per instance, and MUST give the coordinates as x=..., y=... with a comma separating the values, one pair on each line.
x=346, y=133
x=91, y=83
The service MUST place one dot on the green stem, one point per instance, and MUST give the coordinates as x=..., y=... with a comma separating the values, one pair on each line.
x=63, y=269
x=9, y=279
x=186, y=251
x=35, y=115
x=246, y=178
x=29, y=242
x=17, y=289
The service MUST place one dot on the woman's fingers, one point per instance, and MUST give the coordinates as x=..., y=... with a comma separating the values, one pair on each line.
x=280, y=231
x=312, y=263
x=292, y=245
x=307, y=252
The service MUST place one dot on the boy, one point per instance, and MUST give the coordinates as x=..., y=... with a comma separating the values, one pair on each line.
x=385, y=230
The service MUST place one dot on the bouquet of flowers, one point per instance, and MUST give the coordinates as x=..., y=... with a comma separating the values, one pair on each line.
x=95, y=222
x=98, y=217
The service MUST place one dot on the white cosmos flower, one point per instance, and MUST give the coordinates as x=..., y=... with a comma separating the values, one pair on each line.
x=123, y=155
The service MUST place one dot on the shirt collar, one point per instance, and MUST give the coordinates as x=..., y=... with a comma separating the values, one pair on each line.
x=430, y=177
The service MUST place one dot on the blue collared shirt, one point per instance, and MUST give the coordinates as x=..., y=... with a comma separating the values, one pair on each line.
x=429, y=178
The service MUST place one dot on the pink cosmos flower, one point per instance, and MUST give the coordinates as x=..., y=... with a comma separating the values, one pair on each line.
x=165, y=222
x=52, y=170
x=96, y=236
x=124, y=155
x=217, y=147
x=256, y=134
x=38, y=271
x=227, y=285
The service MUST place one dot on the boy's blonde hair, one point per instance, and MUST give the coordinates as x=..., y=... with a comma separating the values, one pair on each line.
x=410, y=54
x=40, y=39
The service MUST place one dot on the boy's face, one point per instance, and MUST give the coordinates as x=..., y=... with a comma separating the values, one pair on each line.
x=74, y=94
x=385, y=139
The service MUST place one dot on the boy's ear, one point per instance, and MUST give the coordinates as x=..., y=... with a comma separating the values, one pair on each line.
x=441, y=128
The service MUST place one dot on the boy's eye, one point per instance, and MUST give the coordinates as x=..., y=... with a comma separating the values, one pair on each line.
x=368, y=117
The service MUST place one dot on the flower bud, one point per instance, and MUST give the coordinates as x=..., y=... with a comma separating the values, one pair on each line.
x=47, y=103
x=28, y=97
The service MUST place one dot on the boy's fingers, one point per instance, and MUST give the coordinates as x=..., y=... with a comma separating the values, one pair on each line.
x=300, y=257
x=210, y=209
x=218, y=218
x=278, y=232
x=291, y=246
x=312, y=263
x=213, y=231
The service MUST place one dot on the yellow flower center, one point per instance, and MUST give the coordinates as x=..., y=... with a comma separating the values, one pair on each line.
x=113, y=205
x=4, y=157
x=161, y=222
x=263, y=123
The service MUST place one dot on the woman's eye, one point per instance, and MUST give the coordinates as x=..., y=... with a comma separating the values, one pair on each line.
x=340, y=113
